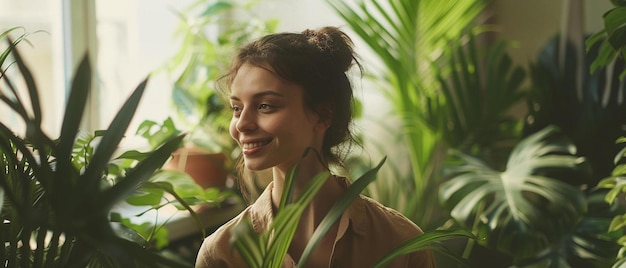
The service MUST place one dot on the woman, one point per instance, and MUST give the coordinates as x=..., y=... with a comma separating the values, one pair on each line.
x=290, y=92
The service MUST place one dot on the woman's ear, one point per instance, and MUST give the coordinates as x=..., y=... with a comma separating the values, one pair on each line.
x=325, y=115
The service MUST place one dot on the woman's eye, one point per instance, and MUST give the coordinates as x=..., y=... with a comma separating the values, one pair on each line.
x=264, y=107
x=236, y=110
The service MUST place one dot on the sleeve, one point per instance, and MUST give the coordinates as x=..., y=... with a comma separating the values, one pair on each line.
x=216, y=250
x=422, y=259
x=211, y=252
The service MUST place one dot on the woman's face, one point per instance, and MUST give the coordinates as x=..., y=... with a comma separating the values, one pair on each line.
x=270, y=121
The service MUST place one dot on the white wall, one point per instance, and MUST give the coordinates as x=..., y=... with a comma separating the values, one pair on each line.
x=532, y=22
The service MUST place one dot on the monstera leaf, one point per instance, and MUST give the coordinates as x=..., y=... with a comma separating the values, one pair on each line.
x=521, y=210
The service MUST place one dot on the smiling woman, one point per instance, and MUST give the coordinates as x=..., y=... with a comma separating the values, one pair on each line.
x=290, y=93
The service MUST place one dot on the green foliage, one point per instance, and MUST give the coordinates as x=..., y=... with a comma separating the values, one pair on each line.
x=467, y=109
x=167, y=187
x=480, y=84
x=531, y=210
x=612, y=38
x=406, y=36
x=617, y=185
x=156, y=133
x=209, y=37
x=427, y=241
x=56, y=208
x=585, y=106
x=269, y=248
x=520, y=210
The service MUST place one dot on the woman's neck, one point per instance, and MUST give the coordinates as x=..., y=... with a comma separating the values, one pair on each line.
x=308, y=169
x=313, y=214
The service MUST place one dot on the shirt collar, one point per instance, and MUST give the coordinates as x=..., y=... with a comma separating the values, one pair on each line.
x=354, y=213
x=262, y=212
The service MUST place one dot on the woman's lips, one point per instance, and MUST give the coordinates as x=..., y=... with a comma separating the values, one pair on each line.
x=249, y=148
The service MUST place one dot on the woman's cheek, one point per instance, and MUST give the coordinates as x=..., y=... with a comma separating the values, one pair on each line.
x=233, y=129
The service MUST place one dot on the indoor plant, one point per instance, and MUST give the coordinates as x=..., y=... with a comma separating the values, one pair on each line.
x=594, y=246
x=615, y=182
x=55, y=213
x=583, y=103
x=406, y=36
x=613, y=48
x=209, y=32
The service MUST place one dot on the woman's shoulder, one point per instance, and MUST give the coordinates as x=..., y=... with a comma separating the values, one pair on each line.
x=216, y=250
x=382, y=216
x=381, y=229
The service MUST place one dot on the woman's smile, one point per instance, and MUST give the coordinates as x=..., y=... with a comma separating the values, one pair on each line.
x=253, y=147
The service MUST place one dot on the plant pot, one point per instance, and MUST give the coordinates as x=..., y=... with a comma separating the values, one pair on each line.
x=206, y=169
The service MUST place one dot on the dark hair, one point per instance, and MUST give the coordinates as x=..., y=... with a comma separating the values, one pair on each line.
x=317, y=60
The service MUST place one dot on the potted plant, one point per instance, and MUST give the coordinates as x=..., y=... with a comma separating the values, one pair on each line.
x=208, y=170
x=57, y=200
x=208, y=36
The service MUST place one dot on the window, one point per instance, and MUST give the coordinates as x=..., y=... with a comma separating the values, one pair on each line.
x=42, y=55
x=127, y=41
x=134, y=41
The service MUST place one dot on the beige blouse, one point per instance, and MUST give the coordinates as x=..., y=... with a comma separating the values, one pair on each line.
x=367, y=230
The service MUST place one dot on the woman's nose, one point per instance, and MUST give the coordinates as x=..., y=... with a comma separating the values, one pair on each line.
x=246, y=121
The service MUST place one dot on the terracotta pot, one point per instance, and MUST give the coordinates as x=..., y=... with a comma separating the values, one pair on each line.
x=206, y=169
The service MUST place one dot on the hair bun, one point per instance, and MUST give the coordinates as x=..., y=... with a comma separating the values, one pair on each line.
x=321, y=40
x=333, y=44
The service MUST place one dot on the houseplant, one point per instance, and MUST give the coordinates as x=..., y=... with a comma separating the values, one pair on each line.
x=586, y=108
x=209, y=31
x=406, y=36
x=594, y=246
x=615, y=182
x=531, y=211
x=208, y=170
x=613, y=48
x=54, y=213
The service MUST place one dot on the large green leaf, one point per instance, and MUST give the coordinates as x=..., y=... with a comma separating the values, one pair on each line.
x=138, y=174
x=480, y=86
x=112, y=137
x=589, y=245
x=75, y=106
x=270, y=248
x=520, y=210
x=337, y=210
x=615, y=27
x=427, y=241
x=31, y=87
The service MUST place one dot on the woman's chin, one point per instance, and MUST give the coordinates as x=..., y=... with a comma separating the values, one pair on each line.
x=255, y=165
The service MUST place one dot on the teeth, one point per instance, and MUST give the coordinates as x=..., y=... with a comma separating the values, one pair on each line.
x=252, y=145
